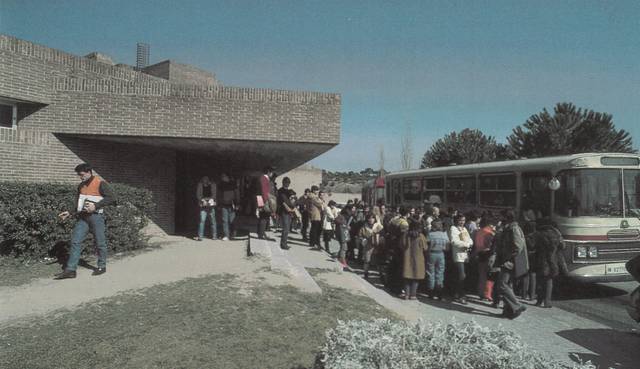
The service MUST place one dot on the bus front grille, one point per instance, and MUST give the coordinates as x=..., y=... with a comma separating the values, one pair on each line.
x=608, y=251
x=621, y=234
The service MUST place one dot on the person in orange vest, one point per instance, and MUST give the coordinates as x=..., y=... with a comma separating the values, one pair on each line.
x=94, y=193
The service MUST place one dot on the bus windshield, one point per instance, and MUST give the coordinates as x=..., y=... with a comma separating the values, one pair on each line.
x=632, y=192
x=590, y=192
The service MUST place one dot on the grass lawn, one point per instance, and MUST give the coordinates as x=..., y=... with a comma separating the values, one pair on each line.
x=14, y=272
x=210, y=322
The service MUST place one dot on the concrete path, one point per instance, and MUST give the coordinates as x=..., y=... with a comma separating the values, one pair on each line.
x=177, y=259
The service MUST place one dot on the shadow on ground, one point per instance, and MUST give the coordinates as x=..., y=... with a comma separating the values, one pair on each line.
x=572, y=290
x=620, y=350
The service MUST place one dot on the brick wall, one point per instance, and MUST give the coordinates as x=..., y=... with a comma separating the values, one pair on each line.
x=30, y=155
x=139, y=166
x=160, y=116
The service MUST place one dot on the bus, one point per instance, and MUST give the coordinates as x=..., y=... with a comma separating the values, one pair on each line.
x=373, y=192
x=592, y=197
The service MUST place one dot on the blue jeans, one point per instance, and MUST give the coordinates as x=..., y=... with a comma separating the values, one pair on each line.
x=93, y=223
x=435, y=270
x=203, y=219
x=286, y=226
x=228, y=216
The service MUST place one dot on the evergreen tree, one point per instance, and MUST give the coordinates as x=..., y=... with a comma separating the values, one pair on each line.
x=465, y=147
x=568, y=131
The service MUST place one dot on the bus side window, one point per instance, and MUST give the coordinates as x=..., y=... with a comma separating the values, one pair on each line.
x=397, y=198
x=498, y=190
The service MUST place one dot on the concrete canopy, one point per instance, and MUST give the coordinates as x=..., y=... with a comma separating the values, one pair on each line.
x=237, y=156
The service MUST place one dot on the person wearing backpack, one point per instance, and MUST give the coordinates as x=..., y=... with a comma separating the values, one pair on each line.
x=547, y=264
x=512, y=259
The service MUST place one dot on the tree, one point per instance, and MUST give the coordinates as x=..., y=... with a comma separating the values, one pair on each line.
x=406, y=148
x=465, y=147
x=568, y=131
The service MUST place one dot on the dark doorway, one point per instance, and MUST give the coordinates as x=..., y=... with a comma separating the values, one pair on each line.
x=190, y=168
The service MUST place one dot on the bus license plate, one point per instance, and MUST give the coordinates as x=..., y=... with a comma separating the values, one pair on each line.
x=615, y=268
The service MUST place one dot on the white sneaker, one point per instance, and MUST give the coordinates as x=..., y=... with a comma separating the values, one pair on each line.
x=225, y=238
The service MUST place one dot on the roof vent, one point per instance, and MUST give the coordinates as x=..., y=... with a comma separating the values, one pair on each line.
x=99, y=57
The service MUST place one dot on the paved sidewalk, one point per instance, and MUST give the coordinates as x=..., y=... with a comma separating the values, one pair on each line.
x=177, y=259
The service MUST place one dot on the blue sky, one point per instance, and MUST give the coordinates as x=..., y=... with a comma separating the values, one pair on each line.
x=436, y=65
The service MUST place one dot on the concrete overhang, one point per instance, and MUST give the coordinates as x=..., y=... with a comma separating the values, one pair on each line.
x=244, y=156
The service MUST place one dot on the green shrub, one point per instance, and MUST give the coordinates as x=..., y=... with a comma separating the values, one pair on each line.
x=383, y=343
x=30, y=227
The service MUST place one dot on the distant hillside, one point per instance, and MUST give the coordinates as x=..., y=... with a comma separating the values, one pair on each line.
x=347, y=182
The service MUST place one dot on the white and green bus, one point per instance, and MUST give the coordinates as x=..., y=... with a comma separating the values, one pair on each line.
x=593, y=198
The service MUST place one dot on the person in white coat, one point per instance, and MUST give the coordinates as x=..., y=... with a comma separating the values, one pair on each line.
x=330, y=212
x=461, y=243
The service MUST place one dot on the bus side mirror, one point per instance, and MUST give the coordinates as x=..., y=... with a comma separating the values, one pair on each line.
x=554, y=184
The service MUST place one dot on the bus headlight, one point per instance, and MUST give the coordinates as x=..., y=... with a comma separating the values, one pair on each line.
x=593, y=252
x=581, y=251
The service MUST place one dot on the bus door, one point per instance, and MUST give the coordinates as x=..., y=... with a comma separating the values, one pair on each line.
x=535, y=196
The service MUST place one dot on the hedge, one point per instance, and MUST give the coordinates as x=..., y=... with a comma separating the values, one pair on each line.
x=30, y=227
x=384, y=343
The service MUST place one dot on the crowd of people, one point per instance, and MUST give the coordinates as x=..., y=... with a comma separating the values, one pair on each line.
x=443, y=254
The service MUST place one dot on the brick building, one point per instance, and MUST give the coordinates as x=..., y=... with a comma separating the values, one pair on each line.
x=160, y=128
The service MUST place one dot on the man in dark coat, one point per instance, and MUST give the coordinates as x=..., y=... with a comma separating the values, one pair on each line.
x=513, y=262
x=548, y=244
x=285, y=211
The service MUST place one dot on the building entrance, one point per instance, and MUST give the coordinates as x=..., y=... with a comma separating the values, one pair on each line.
x=190, y=168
